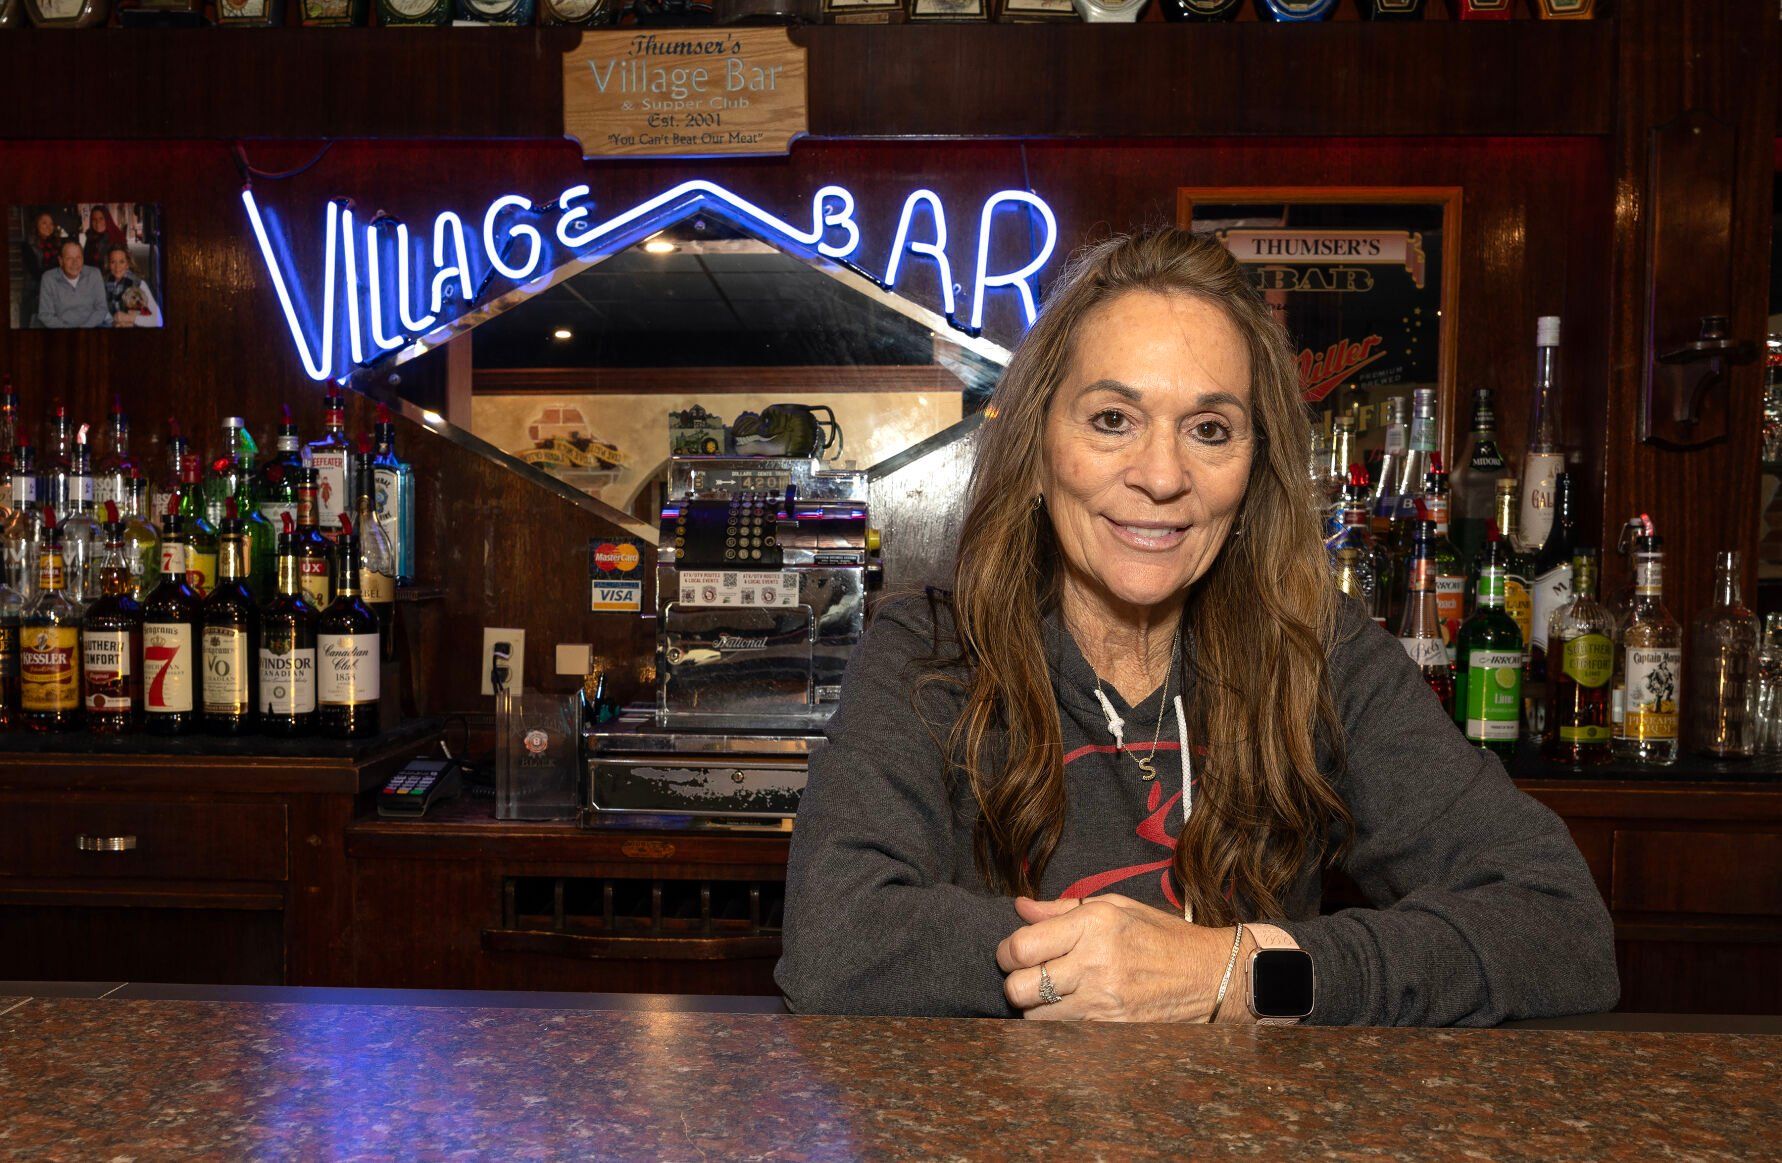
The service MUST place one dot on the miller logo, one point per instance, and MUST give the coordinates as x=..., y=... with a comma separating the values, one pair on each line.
x=1319, y=373
x=738, y=642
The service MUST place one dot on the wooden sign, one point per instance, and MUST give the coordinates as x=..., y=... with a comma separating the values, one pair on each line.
x=685, y=93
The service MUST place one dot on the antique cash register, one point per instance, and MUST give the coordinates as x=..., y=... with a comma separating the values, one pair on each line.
x=763, y=571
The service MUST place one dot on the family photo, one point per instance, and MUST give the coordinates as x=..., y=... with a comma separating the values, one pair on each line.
x=85, y=265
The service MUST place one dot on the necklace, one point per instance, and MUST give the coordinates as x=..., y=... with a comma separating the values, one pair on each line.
x=1148, y=771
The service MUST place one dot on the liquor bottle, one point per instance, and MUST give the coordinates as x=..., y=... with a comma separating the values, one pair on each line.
x=1420, y=451
x=12, y=609
x=315, y=555
x=1450, y=574
x=1480, y=467
x=1544, y=460
x=1355, y=577
x=1420, y=631
x=1372, y=569
x=231, y=472
x=1201, y=11
x=24, y=529
x=1295, y=11
x=82, y=538
x=1391, y=469
x=1581, y=662
x=1518, y=566
x=348, y=657
x=111, y=641
x=1769, y=687
x=377, y=560
x=49, y=644
x=1648, y=663
x=230, y=633
x=287, y=700
x=1392, y=9
x=1551, y=589
x=9, y=421
x=394, y=492
x=142, y=542
x=1722, y=684
x=277, y=486
x=1342, y=453
x=170, y=620
x=165, y=489
x=332, y=459
x=1488, y=679
x=56, y=465
x=113, y=470
x=200, y=534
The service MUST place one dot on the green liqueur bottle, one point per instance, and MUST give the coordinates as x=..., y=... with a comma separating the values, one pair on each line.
x=1488, y=697
x=1581, y=661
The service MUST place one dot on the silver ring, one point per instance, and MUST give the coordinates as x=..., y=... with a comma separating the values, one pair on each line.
x=1048, y=992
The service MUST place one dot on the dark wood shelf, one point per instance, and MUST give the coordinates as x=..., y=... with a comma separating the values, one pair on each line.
x=1430, y=78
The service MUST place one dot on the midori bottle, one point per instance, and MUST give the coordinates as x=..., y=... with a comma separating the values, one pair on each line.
x=1648, y=662
x=1723, y=670
x=1544, y=460
x=1488, y=681
x=348, y=654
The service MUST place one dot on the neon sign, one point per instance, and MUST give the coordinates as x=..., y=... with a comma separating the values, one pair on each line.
x=395, y=290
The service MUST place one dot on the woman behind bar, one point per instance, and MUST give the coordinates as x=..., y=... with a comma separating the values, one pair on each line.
x=1141, y=601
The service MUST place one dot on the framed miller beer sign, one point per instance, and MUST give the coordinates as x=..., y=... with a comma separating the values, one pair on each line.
x=1363, y=280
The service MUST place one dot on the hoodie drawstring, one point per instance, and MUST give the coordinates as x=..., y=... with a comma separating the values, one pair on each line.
x=1186, y=760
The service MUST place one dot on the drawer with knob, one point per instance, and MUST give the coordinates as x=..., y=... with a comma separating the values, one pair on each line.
x=80, y=837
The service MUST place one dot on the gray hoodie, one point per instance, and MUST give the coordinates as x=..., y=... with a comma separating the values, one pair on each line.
x=1484, y=909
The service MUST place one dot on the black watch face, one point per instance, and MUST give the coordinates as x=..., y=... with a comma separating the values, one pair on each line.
x=1281, y=983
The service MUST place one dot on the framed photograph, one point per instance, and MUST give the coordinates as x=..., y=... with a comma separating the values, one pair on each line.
x=85, y=265
x=1364, y=281
x=863, y=11
x=1035, y=11
x=922, y=10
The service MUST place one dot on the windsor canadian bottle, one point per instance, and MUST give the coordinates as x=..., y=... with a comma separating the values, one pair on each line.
x=287, y=695
x=1580, y=666
x=1722, y=688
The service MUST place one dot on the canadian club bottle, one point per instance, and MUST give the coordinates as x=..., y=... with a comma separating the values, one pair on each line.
x=315, y=554
x=348, y=655
x=287, y=649
x=170, y=620
x=230, y=633
x=49, y=644
x=111, y=641
x=1648, y=663
x=1488, y=691
x=1580, y=663
x=1552, y=588
x=1420, y=629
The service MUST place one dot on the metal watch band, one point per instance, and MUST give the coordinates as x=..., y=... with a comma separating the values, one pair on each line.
x=1270, y=937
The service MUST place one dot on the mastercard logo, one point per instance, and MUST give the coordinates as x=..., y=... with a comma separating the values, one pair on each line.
x=615, y=558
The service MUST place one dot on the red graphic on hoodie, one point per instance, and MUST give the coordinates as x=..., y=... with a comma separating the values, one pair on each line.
x=1150, y=829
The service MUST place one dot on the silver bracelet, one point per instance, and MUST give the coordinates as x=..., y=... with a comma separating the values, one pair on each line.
x=1237, y=940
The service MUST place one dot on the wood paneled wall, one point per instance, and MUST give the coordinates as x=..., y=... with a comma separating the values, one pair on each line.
x=1536, y=240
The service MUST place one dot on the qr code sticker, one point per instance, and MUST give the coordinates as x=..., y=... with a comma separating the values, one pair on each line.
x=729, y=580
x=748, y=597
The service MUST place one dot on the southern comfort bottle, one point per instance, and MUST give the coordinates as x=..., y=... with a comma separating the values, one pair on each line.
x=287, y=696
x=111, y=641
x=348, y=655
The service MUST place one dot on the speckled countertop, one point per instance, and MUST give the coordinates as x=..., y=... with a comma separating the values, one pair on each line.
x=104, y=1079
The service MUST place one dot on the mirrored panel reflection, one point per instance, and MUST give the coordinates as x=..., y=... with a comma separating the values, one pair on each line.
x=702, y=339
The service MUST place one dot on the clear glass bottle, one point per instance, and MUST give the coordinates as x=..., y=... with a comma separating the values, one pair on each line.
x=164, y=489
x=142, y=542
x=114, y=469
x=1488, y=676
x=1476, y=473
x=1420, y=629
x=1545, y=459
x=1769, y=687
x=1420, y=451
x=1772, y=405
x=1365, y=580
x=394, y=494
x=24, y=528
x=82, y=538
x=1648, y=664
x=1722, y=686
x=1392, y=465
x=1581, y=663
x=56, y=466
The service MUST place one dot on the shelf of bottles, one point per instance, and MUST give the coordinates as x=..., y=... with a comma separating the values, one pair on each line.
x=1487, y=585
x=221, y=595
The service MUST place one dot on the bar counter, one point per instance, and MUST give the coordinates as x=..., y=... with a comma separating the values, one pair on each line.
x=140, y=1072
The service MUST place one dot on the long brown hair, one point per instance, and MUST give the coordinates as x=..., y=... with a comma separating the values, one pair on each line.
x=1260, y=618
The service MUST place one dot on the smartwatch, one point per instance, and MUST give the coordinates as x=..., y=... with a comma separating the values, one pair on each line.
x=1283, y=980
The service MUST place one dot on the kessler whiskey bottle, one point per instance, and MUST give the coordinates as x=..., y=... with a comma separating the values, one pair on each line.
x=49, y=644
x=230, y=633
x=111, y=642
x=287, y=699
x=348, y=656
x=1580, y=663
x=170, y=661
